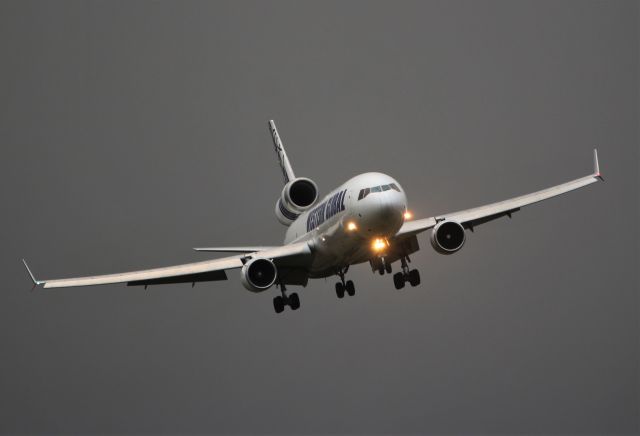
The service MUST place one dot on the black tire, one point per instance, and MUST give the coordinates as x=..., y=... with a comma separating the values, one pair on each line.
x=278, y=304
x=414, y=277
x=339, y=290
x=294, y=301
x=398, y=280
x=350, y=288
x=387, y=267
x=381, y=268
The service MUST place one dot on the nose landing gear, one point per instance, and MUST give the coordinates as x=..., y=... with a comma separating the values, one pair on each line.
x=381, y=265
x=293, y=301
x=342, y=286
x=411, y=276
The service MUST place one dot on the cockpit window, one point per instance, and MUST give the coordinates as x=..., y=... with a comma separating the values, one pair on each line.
x=366, y=191
x=363, y=193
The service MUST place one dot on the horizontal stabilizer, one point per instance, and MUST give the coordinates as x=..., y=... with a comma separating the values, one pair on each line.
x=232, y=249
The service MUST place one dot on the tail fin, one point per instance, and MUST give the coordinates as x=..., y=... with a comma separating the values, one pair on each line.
x=285, y=166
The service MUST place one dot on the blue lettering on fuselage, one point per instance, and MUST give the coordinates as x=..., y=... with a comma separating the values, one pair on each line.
x=329, y=208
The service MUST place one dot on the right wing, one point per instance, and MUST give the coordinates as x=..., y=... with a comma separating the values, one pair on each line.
x=207, y=270
x=470, y=218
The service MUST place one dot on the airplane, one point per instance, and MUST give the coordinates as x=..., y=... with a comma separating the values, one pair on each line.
x=363, y=220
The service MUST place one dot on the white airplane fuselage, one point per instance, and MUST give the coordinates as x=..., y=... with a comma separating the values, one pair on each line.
x=341, y=227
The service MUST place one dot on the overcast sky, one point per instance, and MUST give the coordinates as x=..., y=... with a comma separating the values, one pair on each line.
x=133, y=131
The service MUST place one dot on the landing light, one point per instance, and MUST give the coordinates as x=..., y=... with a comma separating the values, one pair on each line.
x=351, y=226
x=379, y=244
x=408, y=215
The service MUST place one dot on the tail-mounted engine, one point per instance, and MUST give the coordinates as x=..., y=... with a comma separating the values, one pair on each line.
x=297, y=196
x=447, y=237
x=258, y=275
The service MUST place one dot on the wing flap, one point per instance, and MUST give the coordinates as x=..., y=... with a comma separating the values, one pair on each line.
x=189, y=278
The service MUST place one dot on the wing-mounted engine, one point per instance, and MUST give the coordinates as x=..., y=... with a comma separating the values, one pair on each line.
x=258, y=275
x=447, y=237
x=297, y=196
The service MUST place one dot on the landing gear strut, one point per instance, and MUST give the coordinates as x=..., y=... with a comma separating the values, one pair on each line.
x=343, y=286
x=411, y=276
x=293, y=301
x=381, y=265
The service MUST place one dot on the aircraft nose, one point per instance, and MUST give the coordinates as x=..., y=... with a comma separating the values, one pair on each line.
x=392, y=207
x=382, y=214
x=389, y=211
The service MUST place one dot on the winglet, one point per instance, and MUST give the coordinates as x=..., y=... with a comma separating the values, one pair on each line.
x=33, y=279
x=596, y=165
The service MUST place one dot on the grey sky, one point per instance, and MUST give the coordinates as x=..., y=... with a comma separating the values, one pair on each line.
x=133, y=131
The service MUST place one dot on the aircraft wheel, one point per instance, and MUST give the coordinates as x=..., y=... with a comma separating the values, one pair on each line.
x=278, y=304
x=414, y=277
x=351, y=289
x=398, y=280
x=294, y=301
x=381, y=268
x=339, y=290
x=387, y=267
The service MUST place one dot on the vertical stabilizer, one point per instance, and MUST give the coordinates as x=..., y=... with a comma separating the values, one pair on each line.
x=285, y=166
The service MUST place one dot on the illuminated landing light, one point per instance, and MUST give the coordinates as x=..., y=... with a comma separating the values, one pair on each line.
x=379, y=244
x=408, y=215
x=351, y=226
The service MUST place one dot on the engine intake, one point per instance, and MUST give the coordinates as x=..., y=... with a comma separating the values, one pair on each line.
x=447, y=237
x=258, y=275
x=297, y=196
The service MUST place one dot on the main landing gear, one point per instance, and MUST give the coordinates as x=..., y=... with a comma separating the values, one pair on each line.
x=342, y=286
x=293, y=301
x=411, y=276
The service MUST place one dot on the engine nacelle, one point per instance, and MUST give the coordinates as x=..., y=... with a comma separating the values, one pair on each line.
x=297, y=196
x=258, y=275
x=447, y=237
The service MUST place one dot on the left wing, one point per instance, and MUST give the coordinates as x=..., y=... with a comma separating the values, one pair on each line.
x=470, y=218
x=207, y=270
